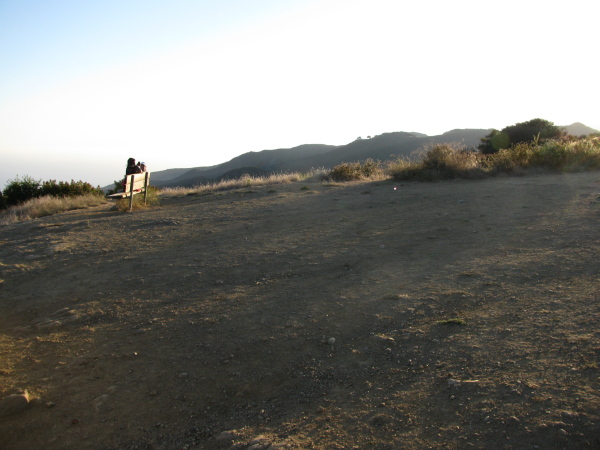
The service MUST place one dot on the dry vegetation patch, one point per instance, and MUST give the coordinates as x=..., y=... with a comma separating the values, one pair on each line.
x=47, y=206
x=241, y=183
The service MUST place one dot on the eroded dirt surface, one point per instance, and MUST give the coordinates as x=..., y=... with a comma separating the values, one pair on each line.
x=446, y=315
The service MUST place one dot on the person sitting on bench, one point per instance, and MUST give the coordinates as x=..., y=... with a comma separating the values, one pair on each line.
x=132, y=167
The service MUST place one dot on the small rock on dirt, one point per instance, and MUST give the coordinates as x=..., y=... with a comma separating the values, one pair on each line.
x=513, y=420
x=259, y=443
x=227, y=435
x=387, y=340
x=14, y=403
x=99, y=401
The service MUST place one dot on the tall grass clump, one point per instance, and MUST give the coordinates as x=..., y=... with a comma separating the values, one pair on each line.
x=240, y=183
x=552, y=155
x=439, y=162
x=20, y=190
x=366, y=170
x=47, y=206
x=449, y=161
x=575, y=155
x=152, y=199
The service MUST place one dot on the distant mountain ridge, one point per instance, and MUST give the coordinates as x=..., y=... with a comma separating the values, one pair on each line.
x=579, y=129
x=308, y=156
x=305, y=157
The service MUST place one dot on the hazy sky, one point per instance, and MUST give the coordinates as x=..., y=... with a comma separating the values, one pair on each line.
x=184, y=83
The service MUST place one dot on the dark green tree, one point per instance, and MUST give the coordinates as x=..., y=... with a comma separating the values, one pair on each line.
x=20, y=190
x=535, y=130
x=66, y=189
x=493, y=142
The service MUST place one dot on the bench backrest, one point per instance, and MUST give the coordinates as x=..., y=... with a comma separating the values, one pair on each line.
x=137, y=183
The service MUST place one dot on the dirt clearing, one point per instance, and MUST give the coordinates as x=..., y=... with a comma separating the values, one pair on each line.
x=443, y=315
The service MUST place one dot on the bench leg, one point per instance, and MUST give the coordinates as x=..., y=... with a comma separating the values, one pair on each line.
x=131, y=195
x=145, y=187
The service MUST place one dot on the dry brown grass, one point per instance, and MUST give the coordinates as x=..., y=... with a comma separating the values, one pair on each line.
x=451, y=161
x=366, y=170
x=240, y=183
x=122, y=204
x=47, y=206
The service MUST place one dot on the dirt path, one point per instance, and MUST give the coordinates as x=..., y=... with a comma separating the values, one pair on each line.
x=451, y=315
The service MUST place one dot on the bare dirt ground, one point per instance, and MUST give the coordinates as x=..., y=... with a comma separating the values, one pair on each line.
x=444, y=315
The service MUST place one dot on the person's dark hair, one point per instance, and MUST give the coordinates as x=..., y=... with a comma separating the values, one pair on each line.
x=131, y=162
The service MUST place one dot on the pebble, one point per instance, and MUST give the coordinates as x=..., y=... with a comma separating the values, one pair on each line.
x=331, y=341
x=568, y=415
x=513, y=420
x=227, y=435
x=387, y=340
x=99, y=401
x=49, y=324
x=259, y=442
x=453, y=382
x=14, y=403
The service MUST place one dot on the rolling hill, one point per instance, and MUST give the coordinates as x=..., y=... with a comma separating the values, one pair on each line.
x=306, y=157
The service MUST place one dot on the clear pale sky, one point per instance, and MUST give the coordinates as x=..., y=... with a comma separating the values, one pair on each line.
x=185, y=83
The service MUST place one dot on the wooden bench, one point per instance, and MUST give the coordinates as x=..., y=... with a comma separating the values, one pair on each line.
x=138, y=183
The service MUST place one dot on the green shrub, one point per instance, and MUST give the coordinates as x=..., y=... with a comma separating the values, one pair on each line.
x=355, y=171
x=532, y=131
x=65, y=189
x=20, y=190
